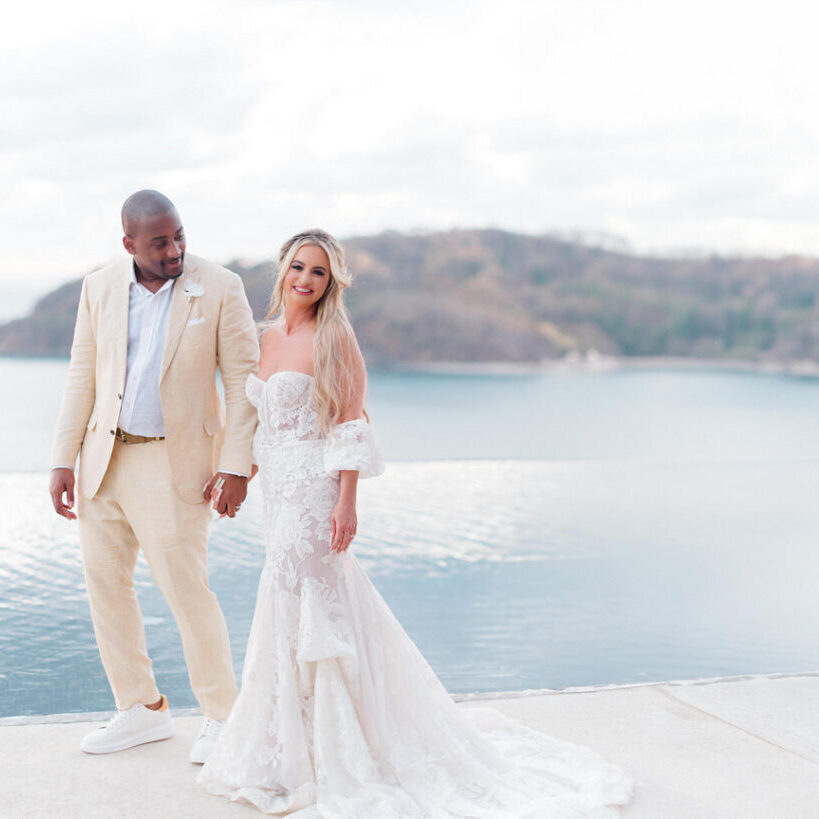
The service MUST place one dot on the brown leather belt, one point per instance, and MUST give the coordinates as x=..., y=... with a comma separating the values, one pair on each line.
x=127, y=438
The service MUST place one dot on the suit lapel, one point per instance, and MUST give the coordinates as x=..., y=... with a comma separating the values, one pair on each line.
x=178, y=318
x=120, y=305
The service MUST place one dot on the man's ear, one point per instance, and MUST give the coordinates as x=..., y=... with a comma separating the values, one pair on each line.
x=128, y=244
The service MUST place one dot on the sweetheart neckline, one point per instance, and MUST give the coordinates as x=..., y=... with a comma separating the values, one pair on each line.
x=279, y=372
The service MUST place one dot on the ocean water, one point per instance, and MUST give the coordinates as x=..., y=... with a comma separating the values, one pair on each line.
x=536, y=531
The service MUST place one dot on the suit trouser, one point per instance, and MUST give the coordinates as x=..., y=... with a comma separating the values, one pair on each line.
x=137, y=506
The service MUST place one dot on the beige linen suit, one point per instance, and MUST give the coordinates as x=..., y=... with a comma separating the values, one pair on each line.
x=149, y=495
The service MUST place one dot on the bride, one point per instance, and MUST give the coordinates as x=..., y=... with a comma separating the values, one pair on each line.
x=339, y=715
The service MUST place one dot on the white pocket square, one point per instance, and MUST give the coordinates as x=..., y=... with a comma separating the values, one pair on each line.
x=196, y=321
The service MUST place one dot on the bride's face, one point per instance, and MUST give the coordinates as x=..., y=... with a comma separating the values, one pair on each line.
x=308, y=276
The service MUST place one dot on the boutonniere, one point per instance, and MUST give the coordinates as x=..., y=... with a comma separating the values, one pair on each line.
x=193, y=289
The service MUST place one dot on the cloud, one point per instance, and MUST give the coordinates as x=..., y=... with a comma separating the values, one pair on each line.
x=673, y=124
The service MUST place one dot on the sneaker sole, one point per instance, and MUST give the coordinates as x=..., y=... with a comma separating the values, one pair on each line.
x=155, y=735
x=198, y=759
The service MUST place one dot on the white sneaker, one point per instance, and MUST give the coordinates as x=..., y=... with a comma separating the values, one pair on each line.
x=128, y=728
x=208, y=734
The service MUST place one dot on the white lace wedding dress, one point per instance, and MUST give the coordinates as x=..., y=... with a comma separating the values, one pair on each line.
x=339, y=715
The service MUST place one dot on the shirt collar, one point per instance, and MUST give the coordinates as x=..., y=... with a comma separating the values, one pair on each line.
x=167, y=286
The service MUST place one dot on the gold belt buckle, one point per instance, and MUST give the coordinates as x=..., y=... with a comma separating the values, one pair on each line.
x=127, y=438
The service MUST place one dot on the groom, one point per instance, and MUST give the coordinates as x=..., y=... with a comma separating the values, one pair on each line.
x=141, y=410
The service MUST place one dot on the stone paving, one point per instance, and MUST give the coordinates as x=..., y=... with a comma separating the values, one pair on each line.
x=744, y=748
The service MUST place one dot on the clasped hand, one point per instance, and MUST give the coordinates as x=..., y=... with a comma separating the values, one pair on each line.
x=226, y=493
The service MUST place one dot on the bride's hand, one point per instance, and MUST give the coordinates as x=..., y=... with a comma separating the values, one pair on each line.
x=344, y=523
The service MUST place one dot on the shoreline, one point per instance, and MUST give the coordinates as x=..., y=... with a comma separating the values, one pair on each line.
x=591, y=363
x=597, y=364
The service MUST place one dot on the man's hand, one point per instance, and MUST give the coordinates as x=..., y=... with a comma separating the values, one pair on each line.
x=62, y=481
x=226, y=493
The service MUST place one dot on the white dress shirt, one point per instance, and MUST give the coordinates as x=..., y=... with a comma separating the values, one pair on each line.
x=141, y=412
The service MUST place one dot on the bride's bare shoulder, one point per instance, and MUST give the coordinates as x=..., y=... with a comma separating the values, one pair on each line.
x=270, y=344
x=272, y=336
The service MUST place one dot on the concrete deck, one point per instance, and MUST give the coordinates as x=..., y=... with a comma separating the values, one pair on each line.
x=745, y=747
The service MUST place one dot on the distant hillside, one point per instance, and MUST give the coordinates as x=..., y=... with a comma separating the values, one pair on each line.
x=489, y=295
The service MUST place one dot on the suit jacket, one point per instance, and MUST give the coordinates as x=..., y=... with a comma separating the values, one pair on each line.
x=205, y=332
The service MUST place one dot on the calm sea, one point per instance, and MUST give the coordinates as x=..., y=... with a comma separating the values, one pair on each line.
x=531, y=531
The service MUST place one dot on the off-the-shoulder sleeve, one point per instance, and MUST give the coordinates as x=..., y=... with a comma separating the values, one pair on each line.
x=352, y=446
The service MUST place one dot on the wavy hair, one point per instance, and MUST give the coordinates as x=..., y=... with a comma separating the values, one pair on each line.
x=334, y=342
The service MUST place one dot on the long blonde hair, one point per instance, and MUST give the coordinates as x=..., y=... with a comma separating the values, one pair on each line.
x=334, y=342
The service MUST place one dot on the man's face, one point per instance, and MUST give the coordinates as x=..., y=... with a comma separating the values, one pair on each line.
x=157, y=244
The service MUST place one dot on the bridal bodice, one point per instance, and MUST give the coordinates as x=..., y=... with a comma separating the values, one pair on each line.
x=287, y=416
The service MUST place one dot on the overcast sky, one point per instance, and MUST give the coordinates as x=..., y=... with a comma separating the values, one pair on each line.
x=675, y=125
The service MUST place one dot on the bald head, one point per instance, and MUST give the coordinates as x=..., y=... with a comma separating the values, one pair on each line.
x=154, y=236
x=144, y=205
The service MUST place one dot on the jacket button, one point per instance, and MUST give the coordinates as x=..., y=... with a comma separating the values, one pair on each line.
x=119, y=395
x=113, y=432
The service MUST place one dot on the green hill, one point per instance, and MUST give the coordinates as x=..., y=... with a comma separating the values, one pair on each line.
x=490, y=295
